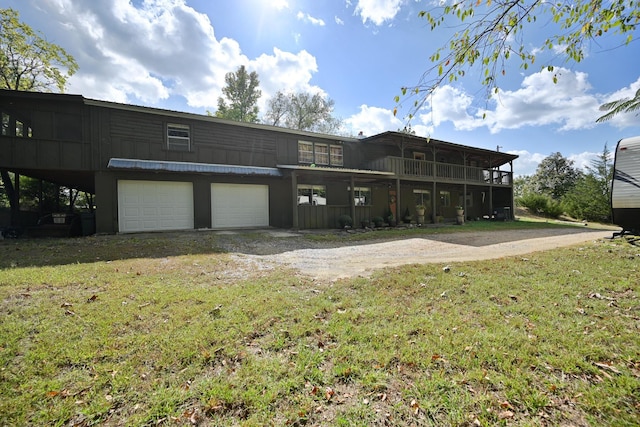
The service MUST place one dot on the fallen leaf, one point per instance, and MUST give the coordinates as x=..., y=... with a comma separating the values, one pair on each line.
x=505, y=415
x=92, y=298
x=329, y=393
x=506, y=405
x=415, y=406
x=66, y=304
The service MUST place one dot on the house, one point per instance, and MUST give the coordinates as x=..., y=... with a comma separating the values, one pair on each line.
x=152, y=169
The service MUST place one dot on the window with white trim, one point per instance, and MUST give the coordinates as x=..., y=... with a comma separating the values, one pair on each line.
x=422, y=197
x=178, y=137
x=305, y=152
x=361, y=195
x=336, y=155
x=315, y=195
x=320, y=153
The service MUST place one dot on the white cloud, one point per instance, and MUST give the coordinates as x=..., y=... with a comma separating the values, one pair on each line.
x=566, y=104
x=451, y=104
x=373, y=120
x=155, y=49
x=377, y=11
x=279, y=4
x=338, y=20
x=526, y=163
x=626, y=119
x=305, y=17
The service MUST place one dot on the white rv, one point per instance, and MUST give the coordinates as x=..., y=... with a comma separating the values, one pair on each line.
x=625, y=188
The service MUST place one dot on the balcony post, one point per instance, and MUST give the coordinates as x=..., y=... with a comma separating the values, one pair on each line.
x=294, y=192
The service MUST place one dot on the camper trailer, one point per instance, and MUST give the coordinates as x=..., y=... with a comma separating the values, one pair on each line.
x=625, y=188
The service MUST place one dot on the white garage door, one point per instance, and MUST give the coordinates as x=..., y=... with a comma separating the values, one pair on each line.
x=239, y=205
x=154, y=205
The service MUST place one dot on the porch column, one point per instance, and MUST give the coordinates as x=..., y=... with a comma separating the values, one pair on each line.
x=352, y=197
x=513, y=200
x=464, y=187
x=398, y=204
x=294, y=199
x=433, y=203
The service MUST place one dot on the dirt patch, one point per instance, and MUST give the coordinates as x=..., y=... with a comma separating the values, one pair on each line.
x=332, y=263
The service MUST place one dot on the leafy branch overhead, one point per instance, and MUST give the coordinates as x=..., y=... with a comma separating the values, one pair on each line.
x=493, y=32
x=28, y=61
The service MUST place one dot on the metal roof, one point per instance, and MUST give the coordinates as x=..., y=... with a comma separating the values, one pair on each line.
x=336, y=170
x=155, y=165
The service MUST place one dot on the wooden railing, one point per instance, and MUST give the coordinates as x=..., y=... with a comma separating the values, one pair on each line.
x=442, y=172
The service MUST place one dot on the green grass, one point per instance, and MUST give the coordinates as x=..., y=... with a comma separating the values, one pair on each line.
x=149, y=330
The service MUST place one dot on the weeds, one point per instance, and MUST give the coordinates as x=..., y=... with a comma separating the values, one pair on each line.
x=133, y=336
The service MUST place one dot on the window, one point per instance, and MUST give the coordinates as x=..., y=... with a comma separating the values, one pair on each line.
x=5, y=124
x=419, y=156
x=11, y=126
x=315, y=195
x=336, y=155
x=422, y=197
x=361, y=195
x=321, y=154
x=305, y=152
x=178, y=137
x=445, y=198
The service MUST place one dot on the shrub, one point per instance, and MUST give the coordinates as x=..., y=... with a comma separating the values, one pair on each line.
x=378, y=221
x=345, y=221
x=540, y=204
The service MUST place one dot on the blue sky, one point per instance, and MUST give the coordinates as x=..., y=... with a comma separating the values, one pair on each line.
x=174, y=54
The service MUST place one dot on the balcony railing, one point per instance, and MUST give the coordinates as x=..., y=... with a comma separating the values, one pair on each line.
x=442, y=172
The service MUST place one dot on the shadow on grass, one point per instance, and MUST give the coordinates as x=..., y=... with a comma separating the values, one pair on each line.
x=27, y=252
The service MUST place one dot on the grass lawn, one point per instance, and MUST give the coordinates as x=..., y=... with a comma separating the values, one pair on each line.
x=145, y=330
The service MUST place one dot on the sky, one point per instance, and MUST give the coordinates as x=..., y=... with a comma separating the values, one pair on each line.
x=174, y=54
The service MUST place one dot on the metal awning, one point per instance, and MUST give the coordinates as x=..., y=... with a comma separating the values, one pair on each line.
x=189, y=167
x=321, y=169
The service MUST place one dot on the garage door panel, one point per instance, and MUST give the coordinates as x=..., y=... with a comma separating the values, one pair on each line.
x=154, y=205
x=239, y=205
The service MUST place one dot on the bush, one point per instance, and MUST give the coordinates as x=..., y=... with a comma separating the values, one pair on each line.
x=378, y=221
x=540, y=204
x=345, y=221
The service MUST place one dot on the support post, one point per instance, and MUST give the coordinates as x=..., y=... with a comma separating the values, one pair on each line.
x=294, y=200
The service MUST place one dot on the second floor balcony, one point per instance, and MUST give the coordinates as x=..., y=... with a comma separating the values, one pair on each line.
x=423, y=170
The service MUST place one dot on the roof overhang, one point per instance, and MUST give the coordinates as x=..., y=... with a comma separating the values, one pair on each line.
x=338, y=171
x=189, y=167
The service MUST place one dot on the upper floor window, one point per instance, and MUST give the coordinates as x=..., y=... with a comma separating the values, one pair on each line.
x=319, y=153
x=336, y=155
x=178, y=137
x=11, y=126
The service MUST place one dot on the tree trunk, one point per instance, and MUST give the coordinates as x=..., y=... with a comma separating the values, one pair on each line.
x=12, y=195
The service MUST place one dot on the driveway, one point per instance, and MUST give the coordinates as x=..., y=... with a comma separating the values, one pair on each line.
x=328, y=264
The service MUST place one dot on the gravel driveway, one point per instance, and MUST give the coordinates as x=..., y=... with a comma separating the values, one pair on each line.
x=332, y=263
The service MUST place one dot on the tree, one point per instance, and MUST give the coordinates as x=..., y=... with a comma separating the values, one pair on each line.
x=302, y=111
x=494, y=31
x=591, y=196
x=624, y=105
x=28, y=61
x=554, y=177
x=242, y=94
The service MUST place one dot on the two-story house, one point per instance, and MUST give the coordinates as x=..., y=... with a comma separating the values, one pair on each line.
x=153, y=169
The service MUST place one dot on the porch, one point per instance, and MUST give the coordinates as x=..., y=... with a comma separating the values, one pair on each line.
x=442, y=172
